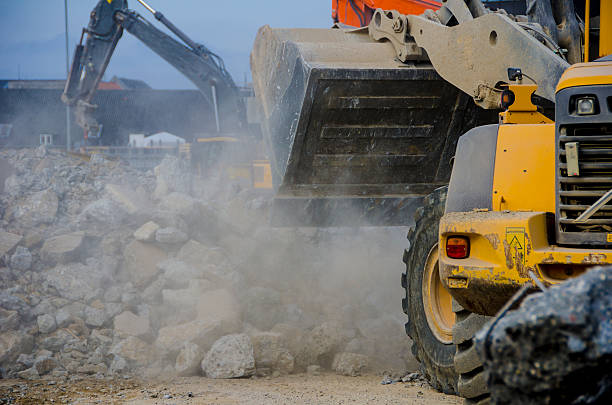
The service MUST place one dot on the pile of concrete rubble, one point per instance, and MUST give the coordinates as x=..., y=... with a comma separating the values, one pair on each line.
x=105, y=270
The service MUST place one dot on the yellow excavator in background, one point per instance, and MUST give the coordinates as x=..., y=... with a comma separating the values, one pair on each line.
x=368, y=125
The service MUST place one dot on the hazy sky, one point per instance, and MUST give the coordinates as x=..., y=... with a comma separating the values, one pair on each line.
x=32, y=33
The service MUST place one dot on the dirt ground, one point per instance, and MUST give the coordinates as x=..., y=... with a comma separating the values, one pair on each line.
x=292, y=389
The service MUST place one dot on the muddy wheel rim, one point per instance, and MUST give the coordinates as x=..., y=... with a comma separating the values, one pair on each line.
x=437, y=302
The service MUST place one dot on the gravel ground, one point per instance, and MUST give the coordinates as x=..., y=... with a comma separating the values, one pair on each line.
x=292, y=389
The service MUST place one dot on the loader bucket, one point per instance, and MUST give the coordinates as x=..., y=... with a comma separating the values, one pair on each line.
x=356, y=137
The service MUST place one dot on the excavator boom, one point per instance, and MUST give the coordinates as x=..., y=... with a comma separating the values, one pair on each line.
x=106, y=25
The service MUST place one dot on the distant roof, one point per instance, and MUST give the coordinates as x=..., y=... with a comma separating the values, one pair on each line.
x=130, y=84
x=164, y=136
x=50, y=85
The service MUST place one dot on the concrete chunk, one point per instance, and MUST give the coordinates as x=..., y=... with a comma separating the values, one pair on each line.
x=140, y=262
x=146, y=233
x=63, y=248
x=8, y=241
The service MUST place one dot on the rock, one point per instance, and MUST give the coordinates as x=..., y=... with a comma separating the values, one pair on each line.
x=101, y=337
x=21, y=259
x=9, y=320
x=180, y=302
x=12, y=344
x=170, y=236
x=102, y=212
x=152, y=294
x=26, y=359
x=197, y=254
x=32, y=239
x=201, y=332
x=384, y=341
x=313, y=369
x=29, y=374
x=321, y=344
x=113, y=294
x=263, y=307
x=146, y=233
x=45, y=364
x=177, y=274
x=58, y=340
x=8, y=241
x=129, y=324
x=290, y=335
x=180, y=204
x=95, y=317
x=46, y=323
x=92, y=369
x=140, y=262
x=350, y=364
x=134, y=350
x=113, y=309
x=218, y=305
x=6, y=170
x=188, y=360
x=63, y=248
x=76, y=281
x=39, y=208
x=13, y=303
x=230, y=357
x=118, y=365
x=270, y=353
x=129, y=199
x=556, y=348
x=43, y=307
x=62, y=318
x=172, y=175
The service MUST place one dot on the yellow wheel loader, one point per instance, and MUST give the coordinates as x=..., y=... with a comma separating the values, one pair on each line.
x=367, y=126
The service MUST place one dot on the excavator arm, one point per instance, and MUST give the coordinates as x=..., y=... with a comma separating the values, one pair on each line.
x=203, y=67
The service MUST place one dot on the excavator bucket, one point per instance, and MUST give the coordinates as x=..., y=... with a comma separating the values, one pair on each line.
x=356, y=137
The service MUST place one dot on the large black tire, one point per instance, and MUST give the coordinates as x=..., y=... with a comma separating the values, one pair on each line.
x=472, y=382
x=435, y=357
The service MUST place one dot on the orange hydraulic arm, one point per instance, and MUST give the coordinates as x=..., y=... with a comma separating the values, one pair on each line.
x=359, y=12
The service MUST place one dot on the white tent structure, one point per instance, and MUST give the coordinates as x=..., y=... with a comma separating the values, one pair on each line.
x=155, y=140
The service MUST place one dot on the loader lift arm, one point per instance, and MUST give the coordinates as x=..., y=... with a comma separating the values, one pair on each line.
x=203, y=67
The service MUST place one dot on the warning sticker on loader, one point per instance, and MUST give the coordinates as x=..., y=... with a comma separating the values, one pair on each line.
x=515, y=239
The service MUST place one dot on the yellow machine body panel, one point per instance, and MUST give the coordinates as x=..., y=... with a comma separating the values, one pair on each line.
x=522, y=110
x=512, y=243
x=262, y=175
x=524, y=176
x=605, y=28
x=504, y=248
x=586, y=74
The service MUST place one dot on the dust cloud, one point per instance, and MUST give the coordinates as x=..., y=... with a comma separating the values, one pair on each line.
x=108, y=271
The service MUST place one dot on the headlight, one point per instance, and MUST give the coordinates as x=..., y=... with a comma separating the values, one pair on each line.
x=586, y=105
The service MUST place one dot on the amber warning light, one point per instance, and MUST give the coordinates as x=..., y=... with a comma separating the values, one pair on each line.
x=457, y=247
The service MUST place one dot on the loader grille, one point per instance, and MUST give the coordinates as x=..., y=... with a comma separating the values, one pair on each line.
x=577, y=193
x=583, y=178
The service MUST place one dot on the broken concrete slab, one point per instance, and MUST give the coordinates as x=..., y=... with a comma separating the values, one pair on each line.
x=8, y=241
x=129, y=324
x=146, y=233
x=62, y=249
x=129, y=199
x=39, y=208
x=140, y=262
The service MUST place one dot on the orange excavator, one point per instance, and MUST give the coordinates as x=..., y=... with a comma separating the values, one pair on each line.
x=358, y=13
